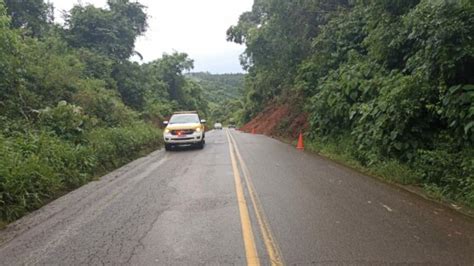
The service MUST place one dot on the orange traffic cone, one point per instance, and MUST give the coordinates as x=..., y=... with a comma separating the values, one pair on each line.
x=300, y=145
x=253, y=130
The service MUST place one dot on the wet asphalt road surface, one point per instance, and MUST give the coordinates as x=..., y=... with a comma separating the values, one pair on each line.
x=242, y=199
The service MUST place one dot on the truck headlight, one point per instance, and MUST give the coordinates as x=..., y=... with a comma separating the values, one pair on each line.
x=198, y=129
x=167, y=131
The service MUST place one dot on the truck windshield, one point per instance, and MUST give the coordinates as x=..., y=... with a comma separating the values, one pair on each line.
x=184, y=119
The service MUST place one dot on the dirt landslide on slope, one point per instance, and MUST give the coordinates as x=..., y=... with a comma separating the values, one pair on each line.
x=278, y=120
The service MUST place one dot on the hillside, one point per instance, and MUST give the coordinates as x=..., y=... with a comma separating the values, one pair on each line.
x=382, y=83
x=219, y=87
x=223, y=92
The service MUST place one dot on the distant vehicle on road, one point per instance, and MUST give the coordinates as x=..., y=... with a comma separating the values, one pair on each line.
x=217, y=126
x=184, y=128
x=231, y=126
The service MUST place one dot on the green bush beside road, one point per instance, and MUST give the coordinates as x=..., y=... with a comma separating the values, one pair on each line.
x=37, y=167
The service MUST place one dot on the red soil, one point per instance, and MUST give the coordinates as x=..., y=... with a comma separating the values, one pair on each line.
x=278, y=120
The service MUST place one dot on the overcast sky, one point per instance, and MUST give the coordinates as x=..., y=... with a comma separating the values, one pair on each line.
x=196, y=27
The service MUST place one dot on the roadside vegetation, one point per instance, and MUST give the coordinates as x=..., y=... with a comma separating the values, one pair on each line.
x=388, y=85
x=72, y=104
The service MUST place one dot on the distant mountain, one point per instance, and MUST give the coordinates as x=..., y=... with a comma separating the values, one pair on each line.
x=219, y=87
x=223, y=92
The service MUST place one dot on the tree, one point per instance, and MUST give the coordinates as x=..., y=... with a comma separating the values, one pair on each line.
x=170, y=69
x=130, y=84
x=10, y=64
x=278, y=36
x=111, y=32
x=31, y=15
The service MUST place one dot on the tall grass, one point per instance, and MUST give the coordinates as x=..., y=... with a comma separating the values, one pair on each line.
x=36, y=167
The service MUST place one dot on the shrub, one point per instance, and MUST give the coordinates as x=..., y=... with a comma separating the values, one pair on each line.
x=103, y=104
x=36, y=166
x=451, y=171
x=115, y=146
x=66, y=120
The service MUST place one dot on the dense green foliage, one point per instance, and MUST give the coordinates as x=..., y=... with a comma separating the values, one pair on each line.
x=72, y=106
x=36, y=166
x=223, y=93
x=391, y=80
x=111, y=31
x=31, y=15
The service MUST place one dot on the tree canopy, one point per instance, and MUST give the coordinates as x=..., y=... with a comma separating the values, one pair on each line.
x=110, y=32
x=31, y=15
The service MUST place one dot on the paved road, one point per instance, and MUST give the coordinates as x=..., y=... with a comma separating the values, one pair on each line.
x=243, y=199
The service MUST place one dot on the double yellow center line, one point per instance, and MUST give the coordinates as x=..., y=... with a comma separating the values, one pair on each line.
x=271, y=245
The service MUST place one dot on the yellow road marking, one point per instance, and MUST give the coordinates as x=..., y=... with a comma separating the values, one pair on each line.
x=271, y=244
x=247, y=233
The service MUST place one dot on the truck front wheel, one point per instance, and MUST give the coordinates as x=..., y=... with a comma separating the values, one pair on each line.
x=200, y=145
